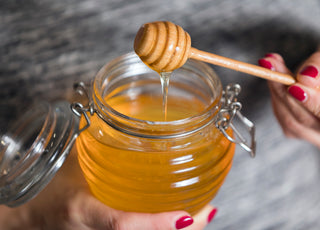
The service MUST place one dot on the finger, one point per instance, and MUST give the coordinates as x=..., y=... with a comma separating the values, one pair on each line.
x=300, y=113
x=279, y=94
x=280, y=97
x=275, y=56
x=90, y=213
x=274, y=62
x=294, y=119
x=157, y=221
x=309, y=97
x=291, y=123
x=180, y=220
x=308, y=74
x=95, y=215
x=281, y=110
x=203, y=218
x=278, y=90
x=311, y=102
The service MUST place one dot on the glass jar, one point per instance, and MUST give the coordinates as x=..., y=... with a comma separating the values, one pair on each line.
x=135, y=160
x=132, y=158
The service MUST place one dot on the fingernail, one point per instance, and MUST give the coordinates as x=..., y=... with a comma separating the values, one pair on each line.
x=266, y=64
x=297, y=93
x=310, y=71
x=183, y=222
x=212, y=214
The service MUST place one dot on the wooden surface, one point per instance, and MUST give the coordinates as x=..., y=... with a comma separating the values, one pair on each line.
x=46, y=46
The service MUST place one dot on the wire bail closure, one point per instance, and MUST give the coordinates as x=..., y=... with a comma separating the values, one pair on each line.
x=79, y=109
x=229, y=111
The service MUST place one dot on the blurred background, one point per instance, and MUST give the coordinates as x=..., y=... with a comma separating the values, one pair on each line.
x=47, y=45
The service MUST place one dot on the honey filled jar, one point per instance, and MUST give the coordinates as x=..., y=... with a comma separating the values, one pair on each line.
x=136, y=153
x=136, y=157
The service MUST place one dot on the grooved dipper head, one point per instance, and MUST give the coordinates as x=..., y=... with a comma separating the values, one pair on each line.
x=162, y=45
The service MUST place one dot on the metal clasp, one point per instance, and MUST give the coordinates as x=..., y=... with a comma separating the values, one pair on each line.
x=79, y=109
x=227, y=116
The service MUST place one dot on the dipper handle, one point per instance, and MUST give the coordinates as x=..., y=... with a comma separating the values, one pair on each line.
x=241, y=66
x=164, y=47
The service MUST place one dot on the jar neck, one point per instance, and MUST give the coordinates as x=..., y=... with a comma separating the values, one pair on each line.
x=128, y=73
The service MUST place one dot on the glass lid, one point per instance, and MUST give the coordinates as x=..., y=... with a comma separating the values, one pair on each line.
x=33, y=150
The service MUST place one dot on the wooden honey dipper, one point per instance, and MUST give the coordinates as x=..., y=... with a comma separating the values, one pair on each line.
x=165, y=47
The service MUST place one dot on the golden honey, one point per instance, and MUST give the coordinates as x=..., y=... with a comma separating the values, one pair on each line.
x=135, y=160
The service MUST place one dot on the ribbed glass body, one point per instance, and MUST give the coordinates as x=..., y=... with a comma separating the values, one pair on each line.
x=135, y=160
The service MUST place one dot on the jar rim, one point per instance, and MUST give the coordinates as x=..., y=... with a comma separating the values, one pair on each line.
x=107, y=113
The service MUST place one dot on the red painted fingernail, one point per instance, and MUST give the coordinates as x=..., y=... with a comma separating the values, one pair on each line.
x=310, y=71
x=212, y=214
x=266, y=64
x=270, y=55
x=183, y=222
x=297, y=93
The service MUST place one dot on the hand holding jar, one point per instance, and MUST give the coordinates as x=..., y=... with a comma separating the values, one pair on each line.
x=66, y=203
x=297, y=107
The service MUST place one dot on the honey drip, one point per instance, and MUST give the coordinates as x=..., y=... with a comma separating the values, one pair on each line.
x=165, y=79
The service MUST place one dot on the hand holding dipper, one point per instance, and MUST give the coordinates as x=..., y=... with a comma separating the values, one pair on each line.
x=164, y=47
